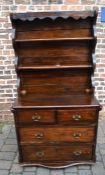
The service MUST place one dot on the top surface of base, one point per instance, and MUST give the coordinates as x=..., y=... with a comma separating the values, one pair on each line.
x=64, y=101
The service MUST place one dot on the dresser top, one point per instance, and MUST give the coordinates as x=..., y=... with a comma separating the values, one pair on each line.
x=30, y=16
x=62, y=101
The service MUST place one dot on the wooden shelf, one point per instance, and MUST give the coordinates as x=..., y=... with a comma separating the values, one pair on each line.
x=55, y=39
x=53, y=67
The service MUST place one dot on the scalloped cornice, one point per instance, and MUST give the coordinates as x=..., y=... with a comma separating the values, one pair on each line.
x=30, y=16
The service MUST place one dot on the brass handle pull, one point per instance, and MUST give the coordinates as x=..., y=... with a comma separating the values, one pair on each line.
x=36, y=118
x=39, y=135
x=40, y=154
x=76, y=135
x=77, y=153
x=76, y=117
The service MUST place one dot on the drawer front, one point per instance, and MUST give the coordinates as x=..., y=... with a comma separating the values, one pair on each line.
x=77, y=116
x=56, y=153
x=35, y=116
x=59, y=134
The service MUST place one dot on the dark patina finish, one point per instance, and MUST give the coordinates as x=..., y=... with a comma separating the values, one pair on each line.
x=56, y=112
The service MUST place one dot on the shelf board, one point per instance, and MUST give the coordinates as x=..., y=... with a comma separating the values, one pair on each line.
x=55, y=39
x=53, y=67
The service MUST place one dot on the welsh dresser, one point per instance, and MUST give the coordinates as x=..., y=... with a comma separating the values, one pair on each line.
x=55, y=112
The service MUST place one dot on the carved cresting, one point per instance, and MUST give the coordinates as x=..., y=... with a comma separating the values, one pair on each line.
x=54, y=15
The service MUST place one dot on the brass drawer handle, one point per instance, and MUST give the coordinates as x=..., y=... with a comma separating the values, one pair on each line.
x=39, y=135
x=77, y=117
x=76, y=135
x=77, y=153
x=36, y=118
x=40, y=154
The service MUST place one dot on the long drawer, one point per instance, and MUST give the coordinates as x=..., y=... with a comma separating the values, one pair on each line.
x=56, y=134
x=56, y=153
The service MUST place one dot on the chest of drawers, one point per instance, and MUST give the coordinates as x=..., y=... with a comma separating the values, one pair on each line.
x=55, y=112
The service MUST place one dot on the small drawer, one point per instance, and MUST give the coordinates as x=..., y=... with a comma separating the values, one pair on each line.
x=56, y=134
x=34, y=116
x=77, y=116
x=56, y=153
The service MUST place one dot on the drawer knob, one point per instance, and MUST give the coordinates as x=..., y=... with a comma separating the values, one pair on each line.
x=40, y=154
x=36, y=118
x=39, y=135
x=77, y=117
x=76, y=135
x=23, y=92
x=77, y=153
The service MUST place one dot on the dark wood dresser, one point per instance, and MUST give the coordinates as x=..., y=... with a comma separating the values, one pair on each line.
x=56, y=112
